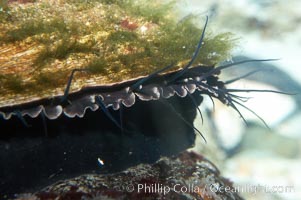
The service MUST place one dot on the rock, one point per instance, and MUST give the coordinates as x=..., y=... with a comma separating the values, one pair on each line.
x=185, y=176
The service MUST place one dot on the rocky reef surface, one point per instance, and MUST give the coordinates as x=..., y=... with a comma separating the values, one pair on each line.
x=185, y=176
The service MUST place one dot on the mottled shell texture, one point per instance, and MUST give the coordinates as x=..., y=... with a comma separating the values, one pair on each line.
x=43, y=41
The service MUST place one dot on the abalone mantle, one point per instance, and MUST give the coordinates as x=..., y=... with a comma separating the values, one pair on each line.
x=117, y=95
x=118, y=42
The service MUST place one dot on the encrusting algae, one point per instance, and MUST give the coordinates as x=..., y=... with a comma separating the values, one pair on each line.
x=42, y=42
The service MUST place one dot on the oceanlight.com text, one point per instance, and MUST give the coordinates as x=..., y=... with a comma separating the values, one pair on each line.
x=209, y=189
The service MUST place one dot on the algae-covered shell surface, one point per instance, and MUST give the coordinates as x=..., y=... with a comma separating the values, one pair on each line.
x=111, y=45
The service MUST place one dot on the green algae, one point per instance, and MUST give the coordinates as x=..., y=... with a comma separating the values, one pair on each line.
x=116, y=40
x=4, y=11
x=61, y=50
x=34, y=27
x=97, y=66
x=55, y=79
x=12, y=82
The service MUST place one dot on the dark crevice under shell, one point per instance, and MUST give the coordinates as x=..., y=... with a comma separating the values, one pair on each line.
x=32, y=160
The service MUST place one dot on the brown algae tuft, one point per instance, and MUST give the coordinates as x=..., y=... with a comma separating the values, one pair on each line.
x=42, y=42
